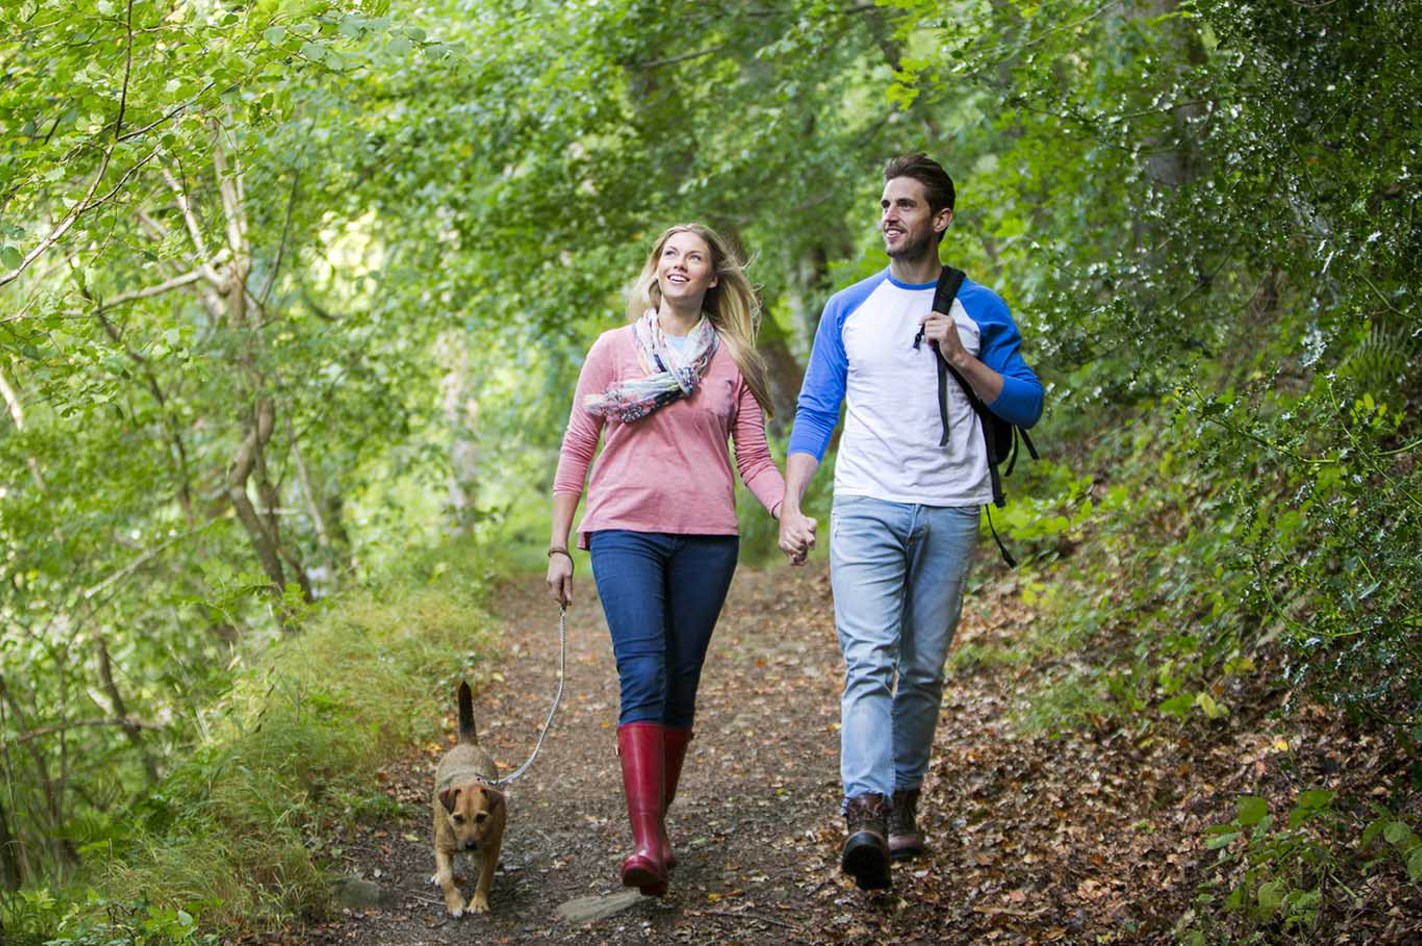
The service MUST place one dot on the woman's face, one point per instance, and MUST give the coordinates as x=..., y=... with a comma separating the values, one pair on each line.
x=684, y=269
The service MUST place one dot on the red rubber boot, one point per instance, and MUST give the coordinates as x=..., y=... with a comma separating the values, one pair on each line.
x=674, y=744
x=643, y=781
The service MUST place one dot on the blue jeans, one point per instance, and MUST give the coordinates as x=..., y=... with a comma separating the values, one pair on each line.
x=898, y=571
x=661, y=595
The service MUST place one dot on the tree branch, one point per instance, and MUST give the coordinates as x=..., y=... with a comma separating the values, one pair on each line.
x=134, y=565
x=12, y=402
x=281, y=247
x=88, y=202
x=131, y=727
x=180, y=196
x=17, y=414
x=684, y=57
x=127, y=73
x=127, y=722
x=168, y=285
x=167, y=116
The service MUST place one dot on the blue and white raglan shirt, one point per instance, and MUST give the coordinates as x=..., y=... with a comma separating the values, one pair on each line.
x=864, y=354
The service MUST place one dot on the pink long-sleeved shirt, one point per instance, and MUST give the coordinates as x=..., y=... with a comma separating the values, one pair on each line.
x=669, y=471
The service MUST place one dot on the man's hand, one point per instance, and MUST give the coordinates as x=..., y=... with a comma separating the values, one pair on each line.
x=942, y=330
x=797, y=535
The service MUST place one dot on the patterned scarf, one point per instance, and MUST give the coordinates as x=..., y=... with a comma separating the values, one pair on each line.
x=669, y=375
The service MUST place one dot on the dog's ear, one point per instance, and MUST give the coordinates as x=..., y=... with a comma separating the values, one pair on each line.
x=495, y=798
x=448, y=798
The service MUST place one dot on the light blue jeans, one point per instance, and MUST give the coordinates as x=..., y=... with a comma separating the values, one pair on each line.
x=898, y=571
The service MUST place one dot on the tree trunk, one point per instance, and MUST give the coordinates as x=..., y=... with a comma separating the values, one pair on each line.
x=783, y=374
x=119, y=710
x=1173, y=156
x=53, y=807
x=461, y=416
x=12, y=866
x=17, y=414
x=259, y=420
x=256, y=429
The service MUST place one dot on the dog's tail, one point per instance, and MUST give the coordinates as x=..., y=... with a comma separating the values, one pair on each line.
x=467, y=732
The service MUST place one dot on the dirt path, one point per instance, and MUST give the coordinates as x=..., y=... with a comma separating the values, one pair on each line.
x=1091, y=838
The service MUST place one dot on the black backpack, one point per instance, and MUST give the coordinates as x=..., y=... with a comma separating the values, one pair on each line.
x=1001, y=436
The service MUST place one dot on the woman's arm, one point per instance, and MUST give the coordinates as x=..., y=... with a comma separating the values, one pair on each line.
x=579, y=446
x=757, y=469
x=560, y=557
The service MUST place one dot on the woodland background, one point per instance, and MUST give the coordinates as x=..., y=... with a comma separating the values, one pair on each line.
x=293, y=295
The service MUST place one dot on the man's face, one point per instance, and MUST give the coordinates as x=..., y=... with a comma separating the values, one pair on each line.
x=910, y=229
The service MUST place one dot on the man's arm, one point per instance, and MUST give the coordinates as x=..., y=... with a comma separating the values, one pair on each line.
x=998, y=374
x=797, y=530
x=943, y=331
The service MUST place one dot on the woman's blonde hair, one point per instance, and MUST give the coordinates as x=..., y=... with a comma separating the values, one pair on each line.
x=731, y=305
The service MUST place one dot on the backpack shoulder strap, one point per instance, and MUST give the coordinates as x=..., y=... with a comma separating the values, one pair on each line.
x=949, y=282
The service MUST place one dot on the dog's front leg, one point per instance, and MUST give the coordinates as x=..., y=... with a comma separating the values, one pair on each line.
x=444, y=876
x=488, y=860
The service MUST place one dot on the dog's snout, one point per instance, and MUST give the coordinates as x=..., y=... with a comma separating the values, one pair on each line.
x=472, y=844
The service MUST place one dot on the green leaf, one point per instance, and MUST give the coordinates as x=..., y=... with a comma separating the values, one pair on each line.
x=1252, y=810
x=1270, y=896
x=274, y=34
x=1221, y=835
x=1310, y=805
x=1414, y=865
x=1178, y=705
x=1374, y=828
x=10, y=257
x=1396, y=832
x=1209, y=706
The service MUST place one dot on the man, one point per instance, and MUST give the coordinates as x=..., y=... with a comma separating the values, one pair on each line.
x=906, y=507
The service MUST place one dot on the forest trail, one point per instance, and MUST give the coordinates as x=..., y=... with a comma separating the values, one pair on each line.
x=1090, y=838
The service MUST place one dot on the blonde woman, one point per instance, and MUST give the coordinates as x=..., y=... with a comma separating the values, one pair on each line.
x=666, y=393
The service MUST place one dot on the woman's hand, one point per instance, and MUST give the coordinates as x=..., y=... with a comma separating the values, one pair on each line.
x=560, y=576
x=797, y=535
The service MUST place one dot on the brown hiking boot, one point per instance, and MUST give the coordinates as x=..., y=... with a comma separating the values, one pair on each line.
x=905, y=840
x=865, y=856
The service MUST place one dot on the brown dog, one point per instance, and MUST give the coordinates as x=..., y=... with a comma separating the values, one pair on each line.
x=468, y=814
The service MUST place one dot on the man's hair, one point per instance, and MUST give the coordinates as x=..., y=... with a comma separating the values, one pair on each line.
x=927, y=172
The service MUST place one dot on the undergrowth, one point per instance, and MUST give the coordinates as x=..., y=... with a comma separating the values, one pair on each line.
x=236, y=836
x=1221, y=549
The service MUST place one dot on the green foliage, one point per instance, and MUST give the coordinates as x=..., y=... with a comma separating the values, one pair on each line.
x=1280, y=879
x=289, y=289
x=238, y=834
x=1396, y=836
x=136, y=923
x=1279, y=873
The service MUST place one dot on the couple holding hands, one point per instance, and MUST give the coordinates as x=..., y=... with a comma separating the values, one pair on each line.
x=667, y=392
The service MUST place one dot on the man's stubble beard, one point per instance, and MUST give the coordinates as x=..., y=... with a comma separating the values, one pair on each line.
x=915, y=252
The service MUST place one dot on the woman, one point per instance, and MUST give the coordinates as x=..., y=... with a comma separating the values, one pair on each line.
x=666, y=392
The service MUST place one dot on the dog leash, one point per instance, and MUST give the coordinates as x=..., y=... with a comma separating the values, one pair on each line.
x=562, y=667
